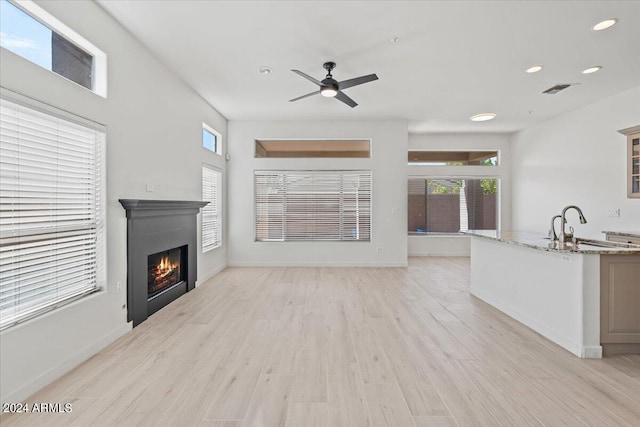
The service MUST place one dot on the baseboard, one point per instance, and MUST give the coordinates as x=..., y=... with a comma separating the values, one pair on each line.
x=76, y=359
x=210, y=274
x=594, y=352
x=317, y=264
x=610, y=349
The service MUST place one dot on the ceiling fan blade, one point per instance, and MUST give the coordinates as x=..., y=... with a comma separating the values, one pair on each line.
x=344, y=98
x=305, y=96
x=308, y=77
x=357, y=81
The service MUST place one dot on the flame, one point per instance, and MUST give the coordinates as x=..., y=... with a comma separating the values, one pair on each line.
x=165, y=266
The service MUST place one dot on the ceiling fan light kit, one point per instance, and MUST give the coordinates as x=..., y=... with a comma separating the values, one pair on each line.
x=331, y=88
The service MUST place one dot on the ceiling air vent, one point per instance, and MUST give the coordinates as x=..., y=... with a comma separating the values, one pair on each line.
x=555, y=89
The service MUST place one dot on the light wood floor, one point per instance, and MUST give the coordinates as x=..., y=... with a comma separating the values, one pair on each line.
x=340, y=347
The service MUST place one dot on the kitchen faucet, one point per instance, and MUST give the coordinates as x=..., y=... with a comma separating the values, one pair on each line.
x=564, y=236
x=552, y=231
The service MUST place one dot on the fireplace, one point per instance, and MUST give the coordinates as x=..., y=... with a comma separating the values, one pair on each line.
x=165, y=270
x=161, y=253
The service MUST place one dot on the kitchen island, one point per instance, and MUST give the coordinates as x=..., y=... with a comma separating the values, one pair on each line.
x=555, y=289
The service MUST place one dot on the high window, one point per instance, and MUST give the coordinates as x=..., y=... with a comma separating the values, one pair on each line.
x=31, y=32
x=51, y=209
x=452, y=158
x=452, y=205
x=335, y=148
x=211, y=139
x=313, y=205
x=211, y=213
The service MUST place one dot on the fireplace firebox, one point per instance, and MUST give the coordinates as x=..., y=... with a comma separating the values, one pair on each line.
x=165, y=270
x=161, y=253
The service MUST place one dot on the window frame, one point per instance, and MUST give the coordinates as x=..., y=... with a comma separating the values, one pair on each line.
x=101, y=225
x=99, y=63
x=411, y=163
x=218, y=206
x=320, y=153
x=498, y=179
x=217, y=135
x=369, y=172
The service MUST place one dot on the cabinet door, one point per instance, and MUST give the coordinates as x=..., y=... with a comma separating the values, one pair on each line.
x=620, y=299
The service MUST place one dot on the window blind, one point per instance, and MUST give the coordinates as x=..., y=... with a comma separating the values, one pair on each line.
x=50, y=211
x=313, y=205
x=211, y=213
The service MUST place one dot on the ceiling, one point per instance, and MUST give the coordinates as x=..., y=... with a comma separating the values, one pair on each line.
x=453, y=59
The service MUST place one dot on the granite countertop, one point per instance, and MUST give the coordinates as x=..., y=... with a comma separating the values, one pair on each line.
x=624, y=233
x=541, y=242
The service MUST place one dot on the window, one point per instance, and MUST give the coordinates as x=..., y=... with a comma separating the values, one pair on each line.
x=451, y=205
x=210, y=139
x=51, y=210
x=335, y=148
x=211, y=213
x=452, y=158
x=313, y=205
x=31, y=32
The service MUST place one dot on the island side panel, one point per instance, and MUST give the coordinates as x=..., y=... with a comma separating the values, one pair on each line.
x=544, y=290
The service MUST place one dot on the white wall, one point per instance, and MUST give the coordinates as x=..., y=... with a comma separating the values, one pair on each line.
x=388, y=246
x=459, y=245
x=154, y=124
x=577, y=158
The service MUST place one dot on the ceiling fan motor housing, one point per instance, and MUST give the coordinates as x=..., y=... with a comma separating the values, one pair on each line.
x=330, y=83
x=329, y=88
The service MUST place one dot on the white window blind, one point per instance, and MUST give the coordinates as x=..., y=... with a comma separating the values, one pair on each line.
x=51, y=208
x=211, y=213
x=313, y=205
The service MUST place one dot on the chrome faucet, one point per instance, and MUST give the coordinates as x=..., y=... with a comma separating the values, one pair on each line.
x=564, y=236
x=552, y=231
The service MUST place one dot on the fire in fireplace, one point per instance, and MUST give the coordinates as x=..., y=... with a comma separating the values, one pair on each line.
x=165, y=270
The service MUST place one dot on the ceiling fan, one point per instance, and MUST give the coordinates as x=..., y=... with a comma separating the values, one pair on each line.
x=332, y=88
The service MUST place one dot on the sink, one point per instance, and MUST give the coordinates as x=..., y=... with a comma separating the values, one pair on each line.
x=578, y=242
x=603, y=244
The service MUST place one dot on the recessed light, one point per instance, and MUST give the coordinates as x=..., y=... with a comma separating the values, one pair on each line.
x=394, y=39
x=483, y=117
x=534, y=69
x=603, y=25
x=265, y=70
x=592, y=69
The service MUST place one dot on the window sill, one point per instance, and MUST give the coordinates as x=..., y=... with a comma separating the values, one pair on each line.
x=436, y=234
x=204, y=251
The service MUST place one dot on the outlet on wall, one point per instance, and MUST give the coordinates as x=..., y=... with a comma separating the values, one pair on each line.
x=150, y=188
x=118, y=287
x=614, y=212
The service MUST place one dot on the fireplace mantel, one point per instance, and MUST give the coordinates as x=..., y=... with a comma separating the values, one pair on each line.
x=139, y=207
x=154, y=226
